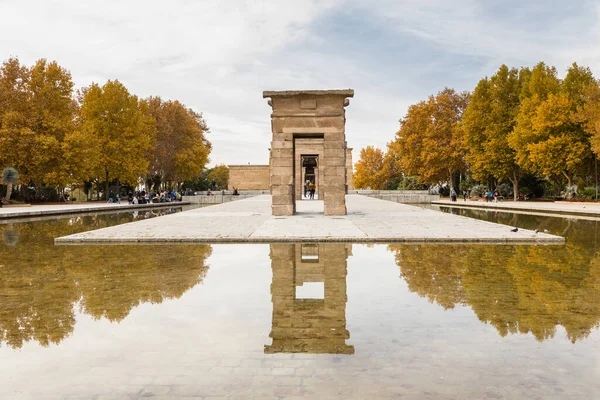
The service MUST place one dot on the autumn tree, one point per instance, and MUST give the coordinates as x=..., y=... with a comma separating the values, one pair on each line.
x=121, y=127
x=181, y=148
x=391, y=170
x=548, y=138
x=37, y=112
x=429, y=140
x=589, y=115
x=487, y=122
x=368, y=169
x=219, y=175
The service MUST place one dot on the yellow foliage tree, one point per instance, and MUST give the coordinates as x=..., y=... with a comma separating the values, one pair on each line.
x=220, y=176
x=123, y=130
x=487, y=122
x=429, y=141
x=548, y=138
x=181, y=150
x=589, y=114
x=368, y=169
x=37, y=112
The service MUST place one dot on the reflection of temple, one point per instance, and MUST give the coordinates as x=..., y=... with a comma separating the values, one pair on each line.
x=316, y=324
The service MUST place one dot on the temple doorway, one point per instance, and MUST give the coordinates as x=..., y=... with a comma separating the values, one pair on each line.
x=309, y=176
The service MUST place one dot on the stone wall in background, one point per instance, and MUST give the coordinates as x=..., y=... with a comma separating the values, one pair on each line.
x=400, y=196
x=249, y=177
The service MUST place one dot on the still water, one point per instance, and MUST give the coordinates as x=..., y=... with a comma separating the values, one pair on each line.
x=299, y=320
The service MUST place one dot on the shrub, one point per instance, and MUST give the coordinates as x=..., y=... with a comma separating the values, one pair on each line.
x=10, y=176
x=444, y=191
x=588, y=193
x=467, y=184
x=478, y=190
x=505, y=189
x=411, y=183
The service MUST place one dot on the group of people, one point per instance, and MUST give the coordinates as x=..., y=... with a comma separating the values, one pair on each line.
x=309, y=190
x=143, y=197
x=453, y=195
x=492, y=195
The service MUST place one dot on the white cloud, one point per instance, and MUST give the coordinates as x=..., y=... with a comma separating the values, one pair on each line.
x=218, y=56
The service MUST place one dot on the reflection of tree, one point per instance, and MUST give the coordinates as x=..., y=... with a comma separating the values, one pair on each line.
x=525, y=289
x=146, y=274
x=41, y=283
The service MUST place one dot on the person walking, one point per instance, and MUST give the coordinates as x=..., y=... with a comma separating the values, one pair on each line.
x=313, y=188
x=464, y=195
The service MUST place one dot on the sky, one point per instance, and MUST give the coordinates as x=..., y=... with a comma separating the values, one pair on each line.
x=218, y=56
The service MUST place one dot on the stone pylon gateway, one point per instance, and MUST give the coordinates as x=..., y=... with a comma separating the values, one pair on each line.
x=308, y=114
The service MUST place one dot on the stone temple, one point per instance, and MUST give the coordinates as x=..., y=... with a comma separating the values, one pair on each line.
x=308, y=144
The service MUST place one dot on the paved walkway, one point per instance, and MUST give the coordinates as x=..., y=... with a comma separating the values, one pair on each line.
x=368, y=220
x=589, y=209
x=74, y=208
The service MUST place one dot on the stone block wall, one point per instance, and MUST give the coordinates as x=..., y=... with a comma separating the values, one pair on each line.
x=248, y=177
x=349, y=170
x=309, y=325
x=400, y=196
x=308, y=114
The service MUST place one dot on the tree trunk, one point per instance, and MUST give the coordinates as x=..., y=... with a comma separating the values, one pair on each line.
x=515, y=182
x=98, y=189
x=8, y=191
x=106, y=187
x=569, y=183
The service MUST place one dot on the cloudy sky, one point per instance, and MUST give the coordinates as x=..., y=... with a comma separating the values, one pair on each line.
x=217, y=56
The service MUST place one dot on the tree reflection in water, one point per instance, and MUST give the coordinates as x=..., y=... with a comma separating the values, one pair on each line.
x=41, y=284
x=524, y=289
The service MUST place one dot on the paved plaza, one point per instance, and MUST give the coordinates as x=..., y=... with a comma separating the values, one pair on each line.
x=368, y=220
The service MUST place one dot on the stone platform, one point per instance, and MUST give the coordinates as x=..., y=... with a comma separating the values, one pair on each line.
x=368, y=220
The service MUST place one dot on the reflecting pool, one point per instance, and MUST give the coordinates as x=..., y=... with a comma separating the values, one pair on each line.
x=286, y=320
